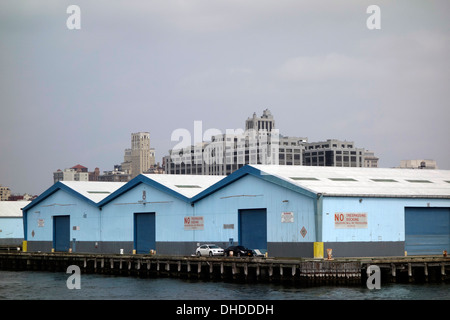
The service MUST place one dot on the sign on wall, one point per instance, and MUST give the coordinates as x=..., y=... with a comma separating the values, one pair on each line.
x=287, y=217
x=193, y=223
x=350, y=220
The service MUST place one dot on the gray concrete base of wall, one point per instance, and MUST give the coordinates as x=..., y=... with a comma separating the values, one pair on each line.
x=11, y=241
x=275, y=249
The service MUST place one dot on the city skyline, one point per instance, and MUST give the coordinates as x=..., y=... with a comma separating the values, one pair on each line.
x=74, y=96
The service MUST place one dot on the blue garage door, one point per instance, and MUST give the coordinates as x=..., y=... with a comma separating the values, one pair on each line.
x=427, y=230
x=144, y=232
x=61, y=233
x=253, y=228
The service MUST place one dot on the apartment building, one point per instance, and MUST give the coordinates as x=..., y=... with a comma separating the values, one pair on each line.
x=261, y=143
x=226, y=153
x=5, y=193
x=70, y=174
x=333, y=153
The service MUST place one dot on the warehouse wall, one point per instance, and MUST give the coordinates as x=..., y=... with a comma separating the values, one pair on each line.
x=220, y=211
x=294, y=222
x=117, y=219
x=84, y=218
x=384, y=231
x=11, y=230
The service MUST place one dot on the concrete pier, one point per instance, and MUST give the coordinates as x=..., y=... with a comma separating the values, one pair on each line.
x=313, y=271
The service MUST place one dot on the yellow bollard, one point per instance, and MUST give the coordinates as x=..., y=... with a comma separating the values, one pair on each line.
x=318, y=250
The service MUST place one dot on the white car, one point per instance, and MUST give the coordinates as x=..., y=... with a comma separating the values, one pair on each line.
x=209, y=250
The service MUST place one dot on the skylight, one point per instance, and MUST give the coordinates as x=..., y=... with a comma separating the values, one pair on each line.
x=99, y=192
x=304, y=178
x=419, y=181
x=384, y=180
x=187, y=186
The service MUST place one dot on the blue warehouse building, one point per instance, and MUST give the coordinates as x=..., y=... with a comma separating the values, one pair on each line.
x=66, y=216
x=290, y=211
x=154, y=212
x=353, y=211
x=11, y=222
x=144, y=214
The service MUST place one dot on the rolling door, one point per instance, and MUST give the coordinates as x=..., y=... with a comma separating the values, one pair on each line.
x=427, y=230
x=61, y=233
x=144, y=232
x=253, y=228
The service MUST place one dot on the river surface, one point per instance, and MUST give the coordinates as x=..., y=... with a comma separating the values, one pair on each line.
x=36, y=285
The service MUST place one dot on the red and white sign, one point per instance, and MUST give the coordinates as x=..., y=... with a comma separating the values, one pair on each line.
x=193, y=223
x=287, y=217
x=350, y=220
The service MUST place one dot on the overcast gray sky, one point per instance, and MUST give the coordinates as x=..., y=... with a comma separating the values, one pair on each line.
x=72, y=97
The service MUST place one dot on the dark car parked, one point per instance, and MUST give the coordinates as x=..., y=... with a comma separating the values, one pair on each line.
x=238, y=251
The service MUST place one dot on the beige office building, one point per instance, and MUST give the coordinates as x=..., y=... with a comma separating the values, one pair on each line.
x=5, y=192
x=142, y=156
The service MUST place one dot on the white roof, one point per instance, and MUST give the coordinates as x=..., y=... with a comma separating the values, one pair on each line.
x=12, y=208
x=187, y=185
x=94, y=190
x=377, y=182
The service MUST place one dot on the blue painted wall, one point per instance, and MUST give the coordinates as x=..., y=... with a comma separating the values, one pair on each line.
x=11, y=230
x=386, y=217
x=84, y=216
x=117, y=216
x=250, y=192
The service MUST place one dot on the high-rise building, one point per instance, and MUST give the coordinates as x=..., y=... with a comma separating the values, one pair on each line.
x=142, y=156
x=333, y=153
x=5, y=193
x=261, y=143
x=265, y=122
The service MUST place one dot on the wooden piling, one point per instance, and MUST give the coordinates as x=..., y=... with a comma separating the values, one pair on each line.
x=315, y=271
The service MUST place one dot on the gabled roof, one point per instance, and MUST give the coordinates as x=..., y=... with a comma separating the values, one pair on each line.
x=89, y=191
x=256, y=172
x=347, y=182
x=371, y=182
x=12, y=209
x=187, y=185
x=183, y=187
x=95, y=191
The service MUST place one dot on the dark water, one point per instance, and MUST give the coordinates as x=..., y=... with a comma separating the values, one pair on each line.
x=27, y=285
